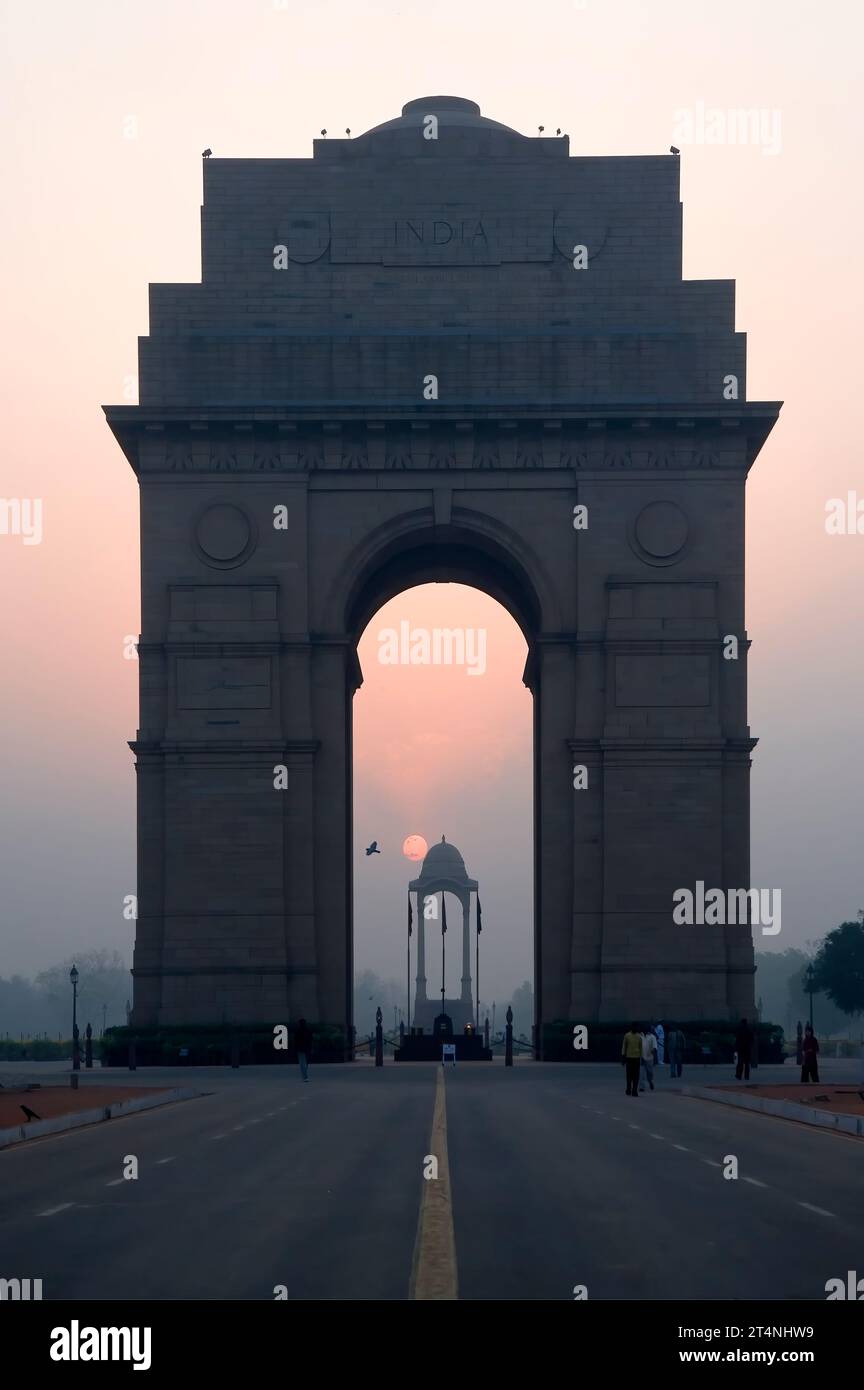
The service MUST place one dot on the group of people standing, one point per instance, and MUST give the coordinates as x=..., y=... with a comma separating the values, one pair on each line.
x=644, y=1048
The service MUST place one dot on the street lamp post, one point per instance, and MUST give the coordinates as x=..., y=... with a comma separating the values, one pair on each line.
x=76, y=1052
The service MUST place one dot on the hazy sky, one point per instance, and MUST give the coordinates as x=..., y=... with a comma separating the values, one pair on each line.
x=105, y=108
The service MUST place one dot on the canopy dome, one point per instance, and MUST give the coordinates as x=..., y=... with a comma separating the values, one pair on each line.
x=444, y=861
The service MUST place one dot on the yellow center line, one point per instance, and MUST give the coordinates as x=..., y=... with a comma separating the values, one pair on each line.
x=433, y=1270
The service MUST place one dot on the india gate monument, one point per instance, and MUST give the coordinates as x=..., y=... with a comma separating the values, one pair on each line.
x=440, y=351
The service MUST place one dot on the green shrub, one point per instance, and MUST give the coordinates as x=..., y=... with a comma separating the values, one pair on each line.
x=36, y=1050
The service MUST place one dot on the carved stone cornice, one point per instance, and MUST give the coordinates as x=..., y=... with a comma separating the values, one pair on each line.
x=612, y=439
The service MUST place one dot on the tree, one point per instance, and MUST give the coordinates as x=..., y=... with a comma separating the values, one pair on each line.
x=103, y=979
x=776, y=975
x=23, y=1010
x=522, y=1005
x=370, y=991
x=839, y=966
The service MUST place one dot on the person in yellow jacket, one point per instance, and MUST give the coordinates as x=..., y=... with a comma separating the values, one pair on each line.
x=631, y=1057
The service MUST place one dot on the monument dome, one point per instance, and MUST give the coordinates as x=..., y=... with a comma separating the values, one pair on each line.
x=450, y=111
x=444, y=861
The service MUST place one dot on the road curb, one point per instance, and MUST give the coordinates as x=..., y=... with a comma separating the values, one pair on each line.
x=786, y=1109
x=38, y=1128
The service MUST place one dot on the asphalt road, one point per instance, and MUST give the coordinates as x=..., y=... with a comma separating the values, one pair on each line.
x=557, y=1179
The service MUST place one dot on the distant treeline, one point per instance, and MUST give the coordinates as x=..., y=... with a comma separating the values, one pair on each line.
x=44, y=1004
x=33, y=1007
x=782, y=992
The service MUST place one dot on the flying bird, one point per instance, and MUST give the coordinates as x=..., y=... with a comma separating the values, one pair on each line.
x=324, y=132
x=373, y=849
x=31, y=1114
x=347, y=130
x=673, y=149
x=541, y=129
x=205, y=154
x=558, y=131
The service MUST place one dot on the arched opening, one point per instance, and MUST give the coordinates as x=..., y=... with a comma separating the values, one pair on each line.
x=442, y=747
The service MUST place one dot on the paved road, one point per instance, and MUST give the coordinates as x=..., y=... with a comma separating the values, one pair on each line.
x=556, y=1178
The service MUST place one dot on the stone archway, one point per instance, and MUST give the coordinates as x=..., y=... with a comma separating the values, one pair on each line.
x=463, y=546
x=386, y=404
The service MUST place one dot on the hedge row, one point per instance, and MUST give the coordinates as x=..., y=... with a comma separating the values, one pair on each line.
x=201, y=1046
x=37, y=1050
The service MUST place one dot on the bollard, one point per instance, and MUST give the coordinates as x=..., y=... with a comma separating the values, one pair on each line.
x=508, y=1038
x=379, y=1040
x=235, y=1055
x=73, y=1081
x=132, y=1062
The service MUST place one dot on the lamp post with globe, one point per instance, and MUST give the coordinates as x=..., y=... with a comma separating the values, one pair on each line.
x=76, y=1052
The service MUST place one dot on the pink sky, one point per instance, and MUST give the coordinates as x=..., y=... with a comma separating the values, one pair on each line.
x=92, y=216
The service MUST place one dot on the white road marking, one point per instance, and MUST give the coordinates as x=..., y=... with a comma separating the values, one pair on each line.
x=115, y=1183
x=662, y=1137
x=820, y=1211
x=755, y=1182
x=683, y=1149
x=712, y=1163
x=165, y=1160
x=52, y=1211
x=236, y=1127
x=634, y=1126
x=217, y=1136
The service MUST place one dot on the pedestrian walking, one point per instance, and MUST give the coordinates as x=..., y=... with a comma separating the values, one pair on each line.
x=303, y=1044
x=810, y=1051
x=675, y=1042
x=631, y=1058
x=649, y=1057
x=743, y=1049
x=660, y=1035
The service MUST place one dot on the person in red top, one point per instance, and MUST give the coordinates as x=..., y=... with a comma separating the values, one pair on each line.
x=810, y=1069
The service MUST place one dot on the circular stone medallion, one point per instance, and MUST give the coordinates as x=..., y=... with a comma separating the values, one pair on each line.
x=224, y=535
x=660, y=532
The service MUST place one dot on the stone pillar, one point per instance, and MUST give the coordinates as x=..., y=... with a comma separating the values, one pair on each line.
x=420, y=985
x=466, y=950
x=554, y=703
